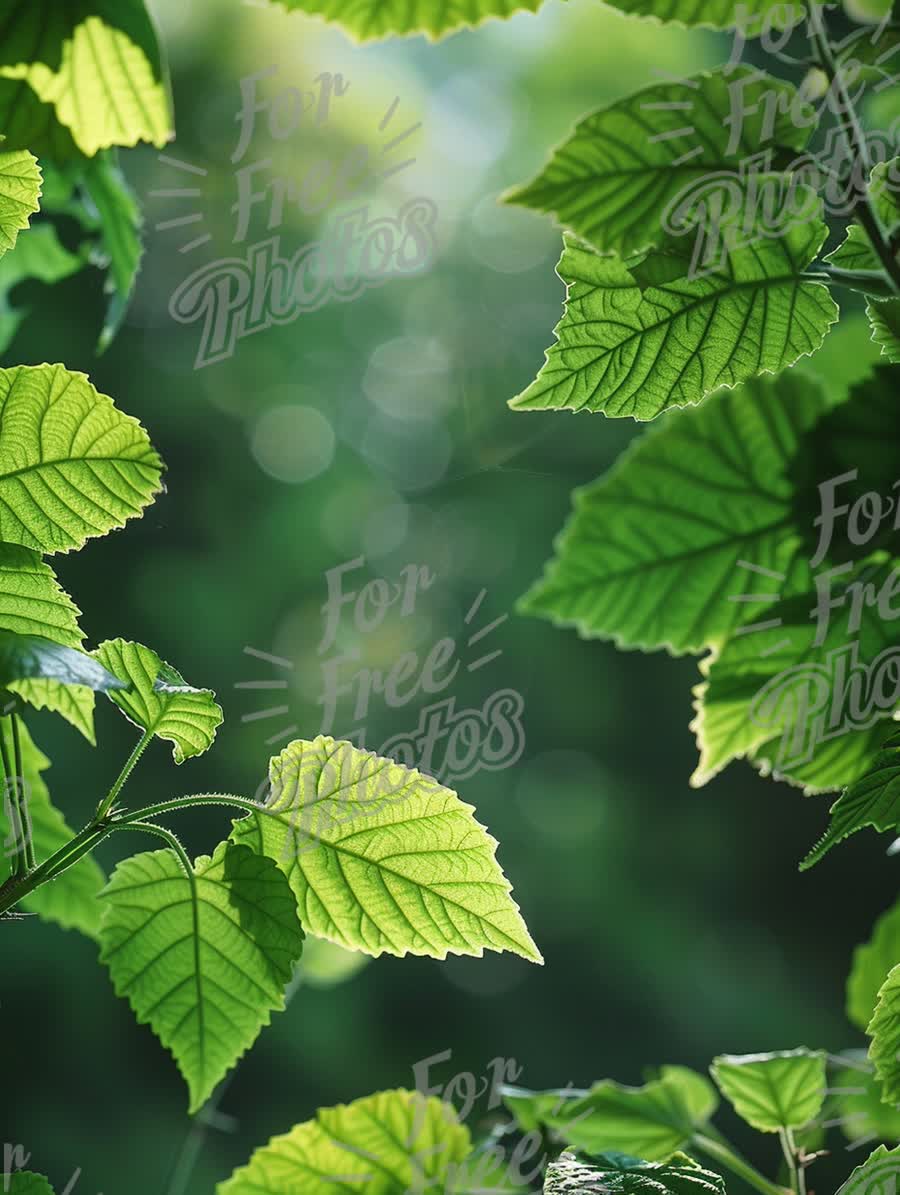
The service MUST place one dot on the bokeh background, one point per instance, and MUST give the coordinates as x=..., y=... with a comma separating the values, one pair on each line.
x=674, y=923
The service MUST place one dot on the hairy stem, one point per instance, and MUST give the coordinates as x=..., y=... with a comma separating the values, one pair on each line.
x=108, y=801
x=855, y=136
x=791, y=1160
x=723, y=1153
x=166, y=835
x=180, y=803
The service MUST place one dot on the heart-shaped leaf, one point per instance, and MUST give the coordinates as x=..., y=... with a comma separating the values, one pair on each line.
x=781, y=1090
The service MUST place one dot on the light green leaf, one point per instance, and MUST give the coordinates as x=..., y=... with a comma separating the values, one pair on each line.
x=628, y=165
x=878, y=1173
x=884, y=319
x=119, y=226
x=20, y=188
x=75, y=703
x=71, y=899
x=96, y=61
x=857, y=1096
x=531, y=1109
x=884, y=1030
x=204, y=959
x=871, y=963
x=383, y=858
x=873, y=800
x=649, y=560
x=25, y=1182
x=618, y=1174
x=378, y=19
x=39, y=256
x=775, y=695
x=856, y=252
x=390, y=1143
x=751, y=16
x=71, y=465
x=26, y=656
x=629, y=351
x=651, y=1122
x=31, y=602
x=160, y=701
x=781, y=1090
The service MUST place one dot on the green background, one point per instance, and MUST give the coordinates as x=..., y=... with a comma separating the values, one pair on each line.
x=674, y=923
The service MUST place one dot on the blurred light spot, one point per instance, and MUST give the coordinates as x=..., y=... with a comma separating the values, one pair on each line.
x=386, y=529
x=407, y=378
x=292, y=443
x=563, y=794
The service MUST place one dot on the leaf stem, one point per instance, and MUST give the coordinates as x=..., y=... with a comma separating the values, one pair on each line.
x=180, y=803
x=22, y=795
x=723, y=1153
x=106, y=804
x=791, y=1160
x=855, y=136
x=13, y=794
x=166, y=835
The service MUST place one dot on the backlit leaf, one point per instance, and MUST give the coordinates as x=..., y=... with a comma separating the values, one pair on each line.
x=628, y=351
x=884, y=1030
x=391, y=1143
x=204, y=959
x=878, y=1173
x=383, y=858
x=371, y=20
x=159, y=700
x=884, y=319
x=650, y=560
x=20, y=187
x=627, y=165
x=781, y=1090
x=71, y=465
x=651, y=1122
x=96, y=61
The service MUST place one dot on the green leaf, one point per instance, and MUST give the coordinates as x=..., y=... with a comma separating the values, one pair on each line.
x=870, y=53
x=649, y=560
x=383, y=858
x=159, y=700
x=71, y=465
x=32, y=603
x=651, y=1122
x=856, y=252
x=204, y=959
x=752, y=16
x=884, y=1030
x=71, y=899
x=871, y=963
x=873, y=800
x=615, y=1173
x=26, y=656
x=857, y=1097
x=781, y=1090
x=532, y=1109
x=389, y=1143
x=383, y=18
x=20, y=188
x=884, y=319
x=120, y=228
x=96, y=61
x=629, y=351
x=878, y=1173
x=41, y=257
x=628, y=165
x=25, y=1182
x=776, y=696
